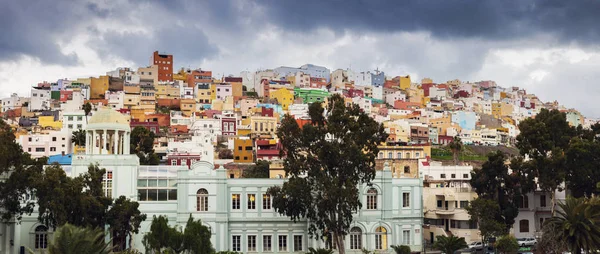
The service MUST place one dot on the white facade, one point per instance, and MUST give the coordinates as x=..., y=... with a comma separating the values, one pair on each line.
x=40, y=99
x=116, y=100
x=12, y=102
x=201, y=144
x=396, y=96
x=298, y=110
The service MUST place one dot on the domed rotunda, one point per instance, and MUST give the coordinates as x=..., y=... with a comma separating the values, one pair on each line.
x=107, y=132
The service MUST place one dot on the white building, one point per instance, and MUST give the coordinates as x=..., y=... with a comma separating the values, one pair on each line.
x=12, y=102
x=298, y=110
x=40, y=99
x=201, y=144
x=446, y=193
x=239, y=212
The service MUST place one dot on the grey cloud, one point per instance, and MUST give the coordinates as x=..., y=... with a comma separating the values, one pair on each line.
x=569, y=21
x=34, y=28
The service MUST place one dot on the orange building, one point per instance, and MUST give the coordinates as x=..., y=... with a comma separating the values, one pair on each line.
x=199, y=76
x=98, y=87
x=242, y=151
x=165, y=66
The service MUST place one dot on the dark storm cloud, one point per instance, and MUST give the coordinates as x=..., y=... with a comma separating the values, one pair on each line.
x=33, y=28
x=498, y=20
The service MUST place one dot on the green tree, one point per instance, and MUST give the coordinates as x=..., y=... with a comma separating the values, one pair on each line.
x=20, y=171
x=196, y=237
x=69, y=239
x=577, y=224
x=582, y=163
x=485, y=213
x=449, y=244
x=124, y=219
x=78, y=137
x=492, y=182
x=87, y=108
x=544, y=139
x=507, y=244
x=162, y=237
x=403, y=249
x=326, y=161
x=79, y=201
x=142, y=144
x=312, y=250
x=456, y=147
x=258, y=170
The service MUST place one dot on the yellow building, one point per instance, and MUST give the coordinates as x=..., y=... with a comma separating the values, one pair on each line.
x=244, y=128
x=98, y=87
x=284, y=97
x=405, y=82
x=188, y=106
x=166, y=90
x=242, y=150
x=213, y=91
x=403, y=160
x=181, y=75
x=263, y=125
x=204, y=96
x=415, y=95
x=48, y=121
x=496, y=109
x=426, y=81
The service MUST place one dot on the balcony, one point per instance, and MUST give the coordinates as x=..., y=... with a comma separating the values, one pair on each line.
x=441, y=211
x=543, y=209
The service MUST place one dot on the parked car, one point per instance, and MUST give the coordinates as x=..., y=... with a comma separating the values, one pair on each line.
x=476, y=245
x=529, y=241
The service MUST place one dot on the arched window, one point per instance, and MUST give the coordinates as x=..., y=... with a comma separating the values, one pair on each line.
x=399, y=155
x=524, y=226
x=41, y=237
x=380, y=238
x=380, y=155
x=390, y=155
x=202, y=200
x=372, y=199
x=408, y=155
x=355, y=238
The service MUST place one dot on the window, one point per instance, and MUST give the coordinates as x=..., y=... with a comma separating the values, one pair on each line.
x=417, y=154
x=79, y=118
x=107, y=184
x=406, y=237
x=523, y=202
x=29, y=139
x=406, y=169
x=380, y=238
x=464, y=204
x=251, y=201
x=380, y=155
x=452, y=175
x=266, y=202
x=202, y=200
x=236, y=243
x=235, y=201
x=79, y=126
x=399, y=155
x=466, y=176
x=439, y=203
x=355, y=238
x=70, y=118
x=442, y=175
x=406, y=199
x=251, y=243
x=390, y=156
x=184, y=162
x=52, y=149
x=41, y=237
x=372, y=199
x=297, y=243
x=266, y=243
x=157, y=188
x=542, y=200
x=283, y=243
x=40, y=149
x=173, y=162
x=524, y=226
x=408, y=155
x=53, y=138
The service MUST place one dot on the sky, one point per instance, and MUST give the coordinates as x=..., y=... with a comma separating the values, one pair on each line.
x=549, y=47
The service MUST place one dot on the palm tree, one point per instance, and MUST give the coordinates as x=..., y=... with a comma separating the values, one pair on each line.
x=449, y=244
x=78, y=137
x=87, y=107
x=70, y=239
x=577, y=224
x=455, y=146
x=401, y=249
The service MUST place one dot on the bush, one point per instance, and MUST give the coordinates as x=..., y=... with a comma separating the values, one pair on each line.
x=319, y=251
x=401, y=249
x=507, y=244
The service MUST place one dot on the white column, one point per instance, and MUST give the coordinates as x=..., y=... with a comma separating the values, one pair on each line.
x=103, y=144
x=126, y=143
x=94, y=141
x=116, y=142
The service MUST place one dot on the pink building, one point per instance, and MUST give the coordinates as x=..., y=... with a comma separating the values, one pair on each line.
x=223, y=90
x=45, y=144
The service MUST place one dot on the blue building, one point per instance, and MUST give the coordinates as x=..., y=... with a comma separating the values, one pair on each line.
x=466, y=120
x=314, y=71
